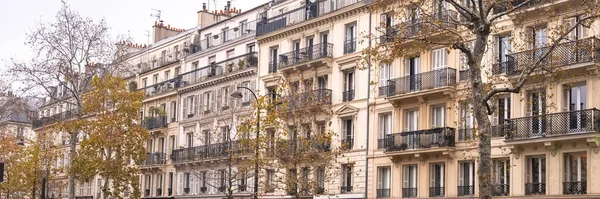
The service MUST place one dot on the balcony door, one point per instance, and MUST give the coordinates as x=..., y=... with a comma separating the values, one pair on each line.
x=309, y=47
x=536, y=175
x=576, y=103
x=575, y=173
x=539, y=42
x=411, y=124
x=412, y=68
x=296, y=52
x=436, y=179
x=501, y=177
x=537, y=109
x=409, y=183
x=439, y=63
x=324, y=42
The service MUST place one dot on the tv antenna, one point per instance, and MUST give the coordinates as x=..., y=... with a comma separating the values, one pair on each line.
x=147, y=35
x=156, y=14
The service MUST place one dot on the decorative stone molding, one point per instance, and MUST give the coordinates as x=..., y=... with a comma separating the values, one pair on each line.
x=552, y=147
x=516, y=151
x=594, y=145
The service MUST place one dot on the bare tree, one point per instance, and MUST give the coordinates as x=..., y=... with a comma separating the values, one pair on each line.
x=469, y=26
x=63, y=64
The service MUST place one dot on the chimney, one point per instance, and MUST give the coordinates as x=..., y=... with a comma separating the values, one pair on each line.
x=204, y=7
x=228, y=5
x=160, y=31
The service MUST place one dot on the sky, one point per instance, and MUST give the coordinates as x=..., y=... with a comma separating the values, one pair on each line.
x=124, y=17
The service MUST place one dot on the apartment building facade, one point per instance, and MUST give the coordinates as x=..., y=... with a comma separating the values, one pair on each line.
x=543, y=145
x=314, y=48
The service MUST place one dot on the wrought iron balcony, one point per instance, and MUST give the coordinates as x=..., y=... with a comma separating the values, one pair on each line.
x=381, y=143
x=200, y=153
x=243, y=30
x=421, y=139
x=219, y=69
x=464, y=75
x=350, y=46
x=301, y=14
x=413, y=28
x=535, y=188
x=161, y=61
x=162, y=87
x=436, y=191
x=347, y=189
x=383, y=193
x=306, y=99
x=304, y=55
x=422, y=82
x=501, y=190
x=155, y=159
x=568, y=53
x=579, y=187
x=55, y=118
x=273, y=66
x=347, y=143
x=155, y=122
x=383, y=91
x=147, y=192
x=348, y=95
x=553, y=124
x=159, y=192
x=466, y=190
x=465, y=134
x=287, y=148
x=509, y=4
x=409, y=192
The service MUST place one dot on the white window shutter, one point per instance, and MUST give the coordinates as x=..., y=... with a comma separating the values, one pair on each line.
x=213, y=98
x=180, y=185
x=568, y=23
x=198, y=104
x=219, y=98
x=407, y=67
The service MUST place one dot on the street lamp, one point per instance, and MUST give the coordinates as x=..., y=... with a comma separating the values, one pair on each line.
x=237, y=94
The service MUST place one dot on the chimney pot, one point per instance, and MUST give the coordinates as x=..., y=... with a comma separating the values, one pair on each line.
x=204, y=6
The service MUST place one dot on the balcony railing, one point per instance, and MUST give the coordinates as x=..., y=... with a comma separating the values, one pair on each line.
x=535, y=188
x=383, y=91
x=421, y=139
x=570, y=188
x=553, y=124
x=573, y=52
x=347, y=189
x=306, y=54
x=303, y=13
x=244, y=29
x=499, y=130
x=159, y=192
x=383, y=193
x=464, y=75
x=273, y=66
x=436, y=191
x=347, y=143
x=501, y=190
x=307, y=99
x=466, y=190
x=161, y=87
x=465, y=134
x=147, y=192
x=200, y=153
x=381, y=143
x=350, y=46
x=348, y=95
x=287, y=148
x=155, y=122
x=219, y=69
x=155, y=159
x=422, y=81
x=409, y=192
x=413, y=28
x=161, y=61
x=55, y=118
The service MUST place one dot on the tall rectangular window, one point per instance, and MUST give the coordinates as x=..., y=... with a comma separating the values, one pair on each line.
x=270, y=181
x=466, y=178
x=350, y=38
x=438, y=58
x=437, y=179
x=348, y=94
x=438, y=116
x=575, y=103
x=504, y=48
x=173, y=111
x=501, y=177
x=383, y=182
x=273, y=63
x=207, y=102
x=575, y=173
x=535, y=175
x=579, y=32
x=348, y=133
x=190, y=139
x=409, y=181
x=347, y=178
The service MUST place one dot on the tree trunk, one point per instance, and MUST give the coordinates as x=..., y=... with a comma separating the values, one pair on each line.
x=480, y=113
x=105, y=187
x=73, y=147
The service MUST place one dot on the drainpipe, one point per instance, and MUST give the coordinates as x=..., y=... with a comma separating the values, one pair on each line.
x=368, y=110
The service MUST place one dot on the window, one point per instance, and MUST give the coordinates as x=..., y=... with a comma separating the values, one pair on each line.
x=203, y=182
x=503, y=110
x=208, y=39
x=411, y=120
x=436, y=179
x=190, y=139
x=177, y=71
x=189, y=106
x=225, y=98
x=167, y=74
x=148, y=184
x=222, y=179
x=251, y=48
x=206, y=134
x=170, y=183
x=412, y=67
x=536, y=107
x=144, y=83
x=438, y=58
x=350, y=39
x=224, y=34
x=159, y=183
x=409, y=181
x=270, y=181
x=225, y=131
x=535, y=176
x=348, y=94
x=466, y=122
x=246, y=94
x=347, y=130
x=575, y=102
x=274, y=62
x=539, y=39
x=579, y=32
x=207, y=102
x=155, y=78
x=501, y=177
x=504, y=48
x=383, y=182
x=322, y=82
x=320, y=180
x=385, y=74
x=173, y=111
x=575, y=173
x=347, y=178
x=438, y=116
x=186, y=177
x=466, y=178
x=385, y=128
x=243, y=182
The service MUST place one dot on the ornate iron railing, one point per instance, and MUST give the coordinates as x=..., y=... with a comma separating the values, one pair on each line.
x=161, y=61
x=347, y=189
x=244, y=29
x=273, y=66
x=159, y=192
x=350, y=46
x=55, y=118
x=579, y=187
x=422, y=81
x=413, y=28
x=465, y=134
x=219, y=69
x=383, y=91
x=409, y=192
x=161, y=87
x=348, y=143
x=421, y=139
x=553, y=124
x=383, y=193
x=499, y=130
x=501, y=190
x=200, y=153
x=436, y=191
x=381, y=143
x=306, y=54
x=307, y=99
x=155, y=122
x=535, y=188
x=348, y=95
x=573, y=52
x=464, y=75
x=155, y=159
x=466, y=190
x=298, y=15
